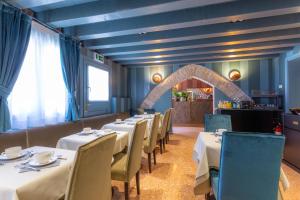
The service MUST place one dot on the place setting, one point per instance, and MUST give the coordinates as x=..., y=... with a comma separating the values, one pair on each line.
x=12, y=154
x=39, y=161
x=219, y=133
x=119, y=121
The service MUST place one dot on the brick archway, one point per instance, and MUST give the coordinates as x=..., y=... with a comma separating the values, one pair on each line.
x=198, y=72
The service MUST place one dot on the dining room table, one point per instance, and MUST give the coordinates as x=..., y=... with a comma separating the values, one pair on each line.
x=74, y=141
x=19, y=181
x=128, y=125
x=206, y=154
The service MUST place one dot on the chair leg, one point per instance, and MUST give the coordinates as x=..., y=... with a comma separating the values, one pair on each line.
x=149, y=162
x=137, y=178
x=154, y=156
x=126, y=186
x=167, y=135
x=161, y=146
x=207, y=196
x=164, y=143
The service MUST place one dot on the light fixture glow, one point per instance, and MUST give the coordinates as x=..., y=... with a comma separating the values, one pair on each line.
x=157, y=78
x=234, y=75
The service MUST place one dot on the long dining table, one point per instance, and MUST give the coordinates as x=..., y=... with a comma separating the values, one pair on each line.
x=50, y=182
x=128, y=125
x=74, y=141
x=206, y=154
x=46, y=183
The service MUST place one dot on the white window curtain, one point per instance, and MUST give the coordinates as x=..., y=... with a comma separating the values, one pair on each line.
x=39, y=95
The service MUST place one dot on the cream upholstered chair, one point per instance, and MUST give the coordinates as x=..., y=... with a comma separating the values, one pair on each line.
x=150, y=142
x=140, y=111
x=90, y=177
x=127, y=165
x=162, y=131
x=169, y=127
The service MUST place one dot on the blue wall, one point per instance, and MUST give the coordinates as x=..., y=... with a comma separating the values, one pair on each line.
x=291, y=80
x=262, y=74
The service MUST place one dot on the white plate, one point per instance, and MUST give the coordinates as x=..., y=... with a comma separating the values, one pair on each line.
x=121, y=122
x=86, y=133
x=35, y=163
x=22, y=154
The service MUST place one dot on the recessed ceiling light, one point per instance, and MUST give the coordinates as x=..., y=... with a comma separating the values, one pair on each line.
x=236, y=20
x=158, y=61
x=232, y=56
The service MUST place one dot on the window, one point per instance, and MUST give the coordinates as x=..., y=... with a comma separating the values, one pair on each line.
x=98, y=84
x=39, y=95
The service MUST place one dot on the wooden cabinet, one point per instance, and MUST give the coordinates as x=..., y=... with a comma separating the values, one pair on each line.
x=292, y=140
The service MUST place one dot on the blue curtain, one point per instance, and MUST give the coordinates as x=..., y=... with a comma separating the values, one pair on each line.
x=15, y=29
x=69, y=53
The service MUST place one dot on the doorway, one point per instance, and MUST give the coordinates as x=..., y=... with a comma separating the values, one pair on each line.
x=191, y=100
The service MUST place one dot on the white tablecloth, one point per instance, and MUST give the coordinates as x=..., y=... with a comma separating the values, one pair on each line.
x=128, y=126
x=73, y=142
x=206, y=154
x=47, y=184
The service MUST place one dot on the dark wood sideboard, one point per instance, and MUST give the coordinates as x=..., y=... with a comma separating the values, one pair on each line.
x=253, y=120
x=292, y=141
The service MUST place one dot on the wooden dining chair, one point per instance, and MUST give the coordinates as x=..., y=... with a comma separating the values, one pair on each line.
x=162, y=131
x=90, y=176
x=212, y=122
x=249, y=167
x=150, y=142
x=127, y=165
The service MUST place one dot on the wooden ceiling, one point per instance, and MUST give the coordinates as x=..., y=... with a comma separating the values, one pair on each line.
x=166, y=32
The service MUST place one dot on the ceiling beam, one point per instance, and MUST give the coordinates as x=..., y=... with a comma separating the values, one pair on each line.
x=192, y=33
x=223, y=49
x=212, y=14
x=206, y=56
x=212, y=60
x=34, y=3
x=101, y=11
x=210, y=42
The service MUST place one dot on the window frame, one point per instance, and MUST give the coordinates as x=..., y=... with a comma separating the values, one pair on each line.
x=89, y=88
x=93, y=108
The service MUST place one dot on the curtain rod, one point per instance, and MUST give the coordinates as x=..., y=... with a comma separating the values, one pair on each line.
x=40, y=22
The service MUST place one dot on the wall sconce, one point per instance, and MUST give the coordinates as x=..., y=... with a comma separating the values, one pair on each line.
x=157, y=78
x=234, y=75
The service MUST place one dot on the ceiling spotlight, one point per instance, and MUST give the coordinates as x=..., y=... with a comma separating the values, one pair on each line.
x=236, y=20
x=232, y=56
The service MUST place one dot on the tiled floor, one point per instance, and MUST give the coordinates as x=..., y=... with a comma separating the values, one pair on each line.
x=173, y=176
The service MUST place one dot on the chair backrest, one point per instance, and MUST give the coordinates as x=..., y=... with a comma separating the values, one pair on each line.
x=135, y=150
x=154, y=131
x=140, y=111
x=170, y=120
x=164, y=127
x=250, y=166
x=91, y=174
x=214, y=122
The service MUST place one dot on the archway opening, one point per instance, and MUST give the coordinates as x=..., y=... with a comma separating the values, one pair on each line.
x=202, y=73
x=191, y=100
